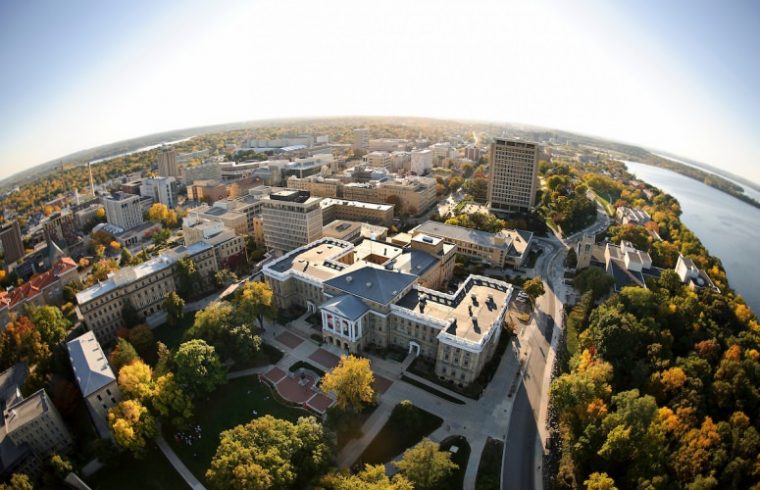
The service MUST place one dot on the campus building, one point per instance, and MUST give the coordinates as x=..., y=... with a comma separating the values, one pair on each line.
x=513, y=175
x=292, y=219
x=161, y=189
x=378, y=295
x=124, y=210
x=95, y=378
x=143, y=286
x=33, y=429
x=11, y=242
x=60, y=228
x=361, y=139
x=378, y=214
x=506, y=248
x=167, y=162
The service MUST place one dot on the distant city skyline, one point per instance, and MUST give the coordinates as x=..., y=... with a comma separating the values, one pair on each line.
x=680, y=77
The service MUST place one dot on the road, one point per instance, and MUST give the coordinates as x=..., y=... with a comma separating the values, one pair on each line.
x=527, y=434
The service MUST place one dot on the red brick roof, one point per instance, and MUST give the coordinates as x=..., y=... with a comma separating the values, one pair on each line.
x=34, y=286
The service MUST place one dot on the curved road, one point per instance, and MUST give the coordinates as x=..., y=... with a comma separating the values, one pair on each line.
x=527, y=433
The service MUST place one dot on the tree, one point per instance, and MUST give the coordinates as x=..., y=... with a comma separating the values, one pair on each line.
x=101, y=269
x=255, y=302
x=371, y=477
x=351, y=380
x=595, y=280
x=188, y=278
x=425, y=465
x=61, y=466
x=270, y=453
x=132, y=426
x=160, y=213
x=130, y=315
x=126, y=258
x=198, y=368
x=122, y=355
x=600, y=481
x=218, y=325
x=174, y=306
x=136, y=380
x=160, y=237
x=164, y=362
x=50, y=323
x=171, y=400
x=534, y=288
x=141, y=337
x=18, y=481
x=636, y=234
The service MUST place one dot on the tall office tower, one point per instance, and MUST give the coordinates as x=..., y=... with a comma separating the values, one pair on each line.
x=123, y=210
x=11, y=242
x=161, y=189
x=513, y=175
x=167, y=162
x=422, y=161
x=292, y=219
x=60, y=228
x=361, y=139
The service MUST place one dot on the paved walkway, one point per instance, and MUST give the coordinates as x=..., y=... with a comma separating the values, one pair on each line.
x=189, y=478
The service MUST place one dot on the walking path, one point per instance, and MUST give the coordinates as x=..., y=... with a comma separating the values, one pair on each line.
x=189, y=478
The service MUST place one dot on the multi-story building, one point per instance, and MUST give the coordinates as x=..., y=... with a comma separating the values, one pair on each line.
x=341, y=209
x=60, y=228
x=513, y=175
x=161, y=189
x=95, y=378
x=167, y=162
x=42, y=289
x=473, y=153
x=501, y=249
x=11, y=242
x=693, y=276
x=369, y=296
x=207, y=171
x=292, y=218
x=584, y=251
x=123, y=210
x=86, y=215
x=387, y=144
x=229, y=247
x=361, y=139
x=317, y=185
x=380, y=159
x=142, y=286
x=415, y=195
x=33, y=429
x=422, y=161
x=223, y=212
x=208, y=191
x=634, y=216
x=349, y=231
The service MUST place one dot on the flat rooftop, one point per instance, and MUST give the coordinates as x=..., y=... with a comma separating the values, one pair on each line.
x=310, y=260
x=329, y=201
x=453, y=232
x=472, y=310
x=26, y=410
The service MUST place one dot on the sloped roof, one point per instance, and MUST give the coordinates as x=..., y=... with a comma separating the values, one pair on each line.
x=89, y=363
x=347, y=306
x=36, y=284
x=378, y=285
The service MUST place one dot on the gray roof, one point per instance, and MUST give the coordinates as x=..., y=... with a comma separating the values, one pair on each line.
x=414, y=262
x=378, y=285
x=347, y=306
x=453, y=232
x=10, y=381
x=89, y=363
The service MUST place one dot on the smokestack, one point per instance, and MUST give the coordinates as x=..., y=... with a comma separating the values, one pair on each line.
x=92, y=181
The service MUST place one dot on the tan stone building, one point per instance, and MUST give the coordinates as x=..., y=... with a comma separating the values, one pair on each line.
x=208, y=191
x=370, y=295
x=292, y=219
x=143, y=286
x=342, y=209
x=317, y=185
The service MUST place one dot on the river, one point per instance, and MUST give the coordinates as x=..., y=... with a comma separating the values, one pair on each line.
x=728, y=227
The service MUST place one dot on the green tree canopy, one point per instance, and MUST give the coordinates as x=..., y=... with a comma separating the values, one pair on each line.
x=198, y=368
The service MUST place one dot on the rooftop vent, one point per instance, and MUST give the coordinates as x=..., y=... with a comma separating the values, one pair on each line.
x=369, y=284
x=349, y=279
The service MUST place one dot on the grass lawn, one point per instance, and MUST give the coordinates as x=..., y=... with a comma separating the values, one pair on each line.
x=230, y=405
x=172, y=336
x=489, y=471
x=153, y=472
x=455, y=481
x=395, y=437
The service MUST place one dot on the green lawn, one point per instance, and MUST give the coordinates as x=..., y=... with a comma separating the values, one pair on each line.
x=230, y=405
x=172, y=336
x=455, y=481
x=395, y=437
x=489, y=471
x=152, y=472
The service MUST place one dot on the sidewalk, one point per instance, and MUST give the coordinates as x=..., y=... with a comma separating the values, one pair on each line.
x=177, y=463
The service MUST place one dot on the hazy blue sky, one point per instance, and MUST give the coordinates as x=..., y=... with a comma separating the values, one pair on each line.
x=681, y=76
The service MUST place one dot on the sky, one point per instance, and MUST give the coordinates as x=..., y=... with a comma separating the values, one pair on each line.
x=678, y=76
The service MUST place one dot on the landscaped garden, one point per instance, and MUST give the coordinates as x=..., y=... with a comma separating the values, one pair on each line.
x=455, y=481
x=489, y=471
x=234, y=403
x=406, y=427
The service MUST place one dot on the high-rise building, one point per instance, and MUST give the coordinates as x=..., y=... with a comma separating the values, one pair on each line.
x=422, y=161
x=361, y=139
x=292, y=218
x=167, y=162
x=123, y=210
x=60, y=228
x=161, y=189
x=11, y=242
x=513, y=175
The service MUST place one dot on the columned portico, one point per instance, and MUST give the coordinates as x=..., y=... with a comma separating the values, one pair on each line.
x=343, y=321
x=351, y=330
